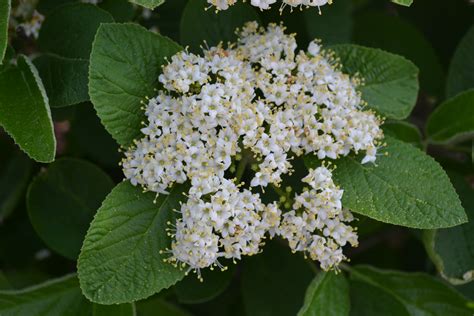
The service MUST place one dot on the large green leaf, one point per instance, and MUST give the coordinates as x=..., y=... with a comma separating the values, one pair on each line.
x=328, y=294
x=24, y=110
x=274, y=282
x=452, y=249
x=14, y=178
x=65, y=79
x=120, y=260
x=4, y=15
x=391, y=81
x=57, y=297
x=69, y=30
x=377, y=292
x=405, y=187
x=150, y=4
x=199, y=24
x=398, y=36
x=461, y=70
x=453, y=120
x=193, y=291
x=126, y=60
x=62, y=201
x=334, y=26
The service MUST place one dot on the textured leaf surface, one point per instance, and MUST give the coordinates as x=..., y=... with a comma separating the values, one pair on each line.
x=4, y=15
x=70, y=29
x=65, y=79
x=63, y=200
x=54, y=298
x=199, y=24
x=126, y=60
x=398, y=36
x=452, y=249
x=461, y=70
x=384, y=292
x=14, y=178
x=328, y=294
x=390, y=81
x=150, y=4
x=274, y=282
x=406, y=187
x=192, y=291
x=120, y=260
x=453, y=120
x=24, y=110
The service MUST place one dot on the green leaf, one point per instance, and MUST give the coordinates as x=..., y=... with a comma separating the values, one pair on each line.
x=405, y=3
x=461, y=70
x=405, y=187
x=328, y=294
x=69, y=30
x=333, y=26
x=192, y=291
x=398, y=36
x=199, y=24
x=24, y=110
x=120, y=260
x=114, y=310
x=453, y=120
x=14, y=178
x=126, y=60
x=4, y=15
x=274, y=282
x=451, y=249
x=57, y=297
x=65, y=79
x=150, y=4
x=403, y=131
x=62, y=201
x=391, y=81
x=377, y=292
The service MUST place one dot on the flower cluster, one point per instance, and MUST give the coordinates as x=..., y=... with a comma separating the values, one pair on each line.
x=261, y=98
x=316, y=223
x=230, y=224
x=266, y=4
